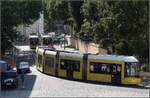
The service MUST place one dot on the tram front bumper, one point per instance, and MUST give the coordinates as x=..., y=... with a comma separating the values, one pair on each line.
x=133, y=81
x=32, y=46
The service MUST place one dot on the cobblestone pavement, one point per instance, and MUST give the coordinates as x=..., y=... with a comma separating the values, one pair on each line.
x=38, y=84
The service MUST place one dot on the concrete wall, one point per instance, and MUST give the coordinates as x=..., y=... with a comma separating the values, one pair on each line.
x=86, y=47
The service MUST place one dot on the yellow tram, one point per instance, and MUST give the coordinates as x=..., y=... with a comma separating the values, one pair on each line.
x=113, y=69
x=70, y=65
x=102, y=68
x=34, y=41
x=46, y=40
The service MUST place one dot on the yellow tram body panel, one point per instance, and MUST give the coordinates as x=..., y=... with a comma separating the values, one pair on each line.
x=62, y=73
x=76, y=75
x=40, y=66
x=102, y=77
x=131, y=81
x=48, y=69
x=99, y=77
x=33, y=46
x=40, y=53
x=36, y=61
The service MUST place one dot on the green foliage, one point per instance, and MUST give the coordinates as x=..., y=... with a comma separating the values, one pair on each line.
x=66, y=12
x=120, y=26
x=57, y=10
x=14, y=13
x=75, y=7
x=48, y=23
x=145, y=68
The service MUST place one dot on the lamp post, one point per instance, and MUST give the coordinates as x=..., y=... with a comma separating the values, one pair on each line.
x=65, y=29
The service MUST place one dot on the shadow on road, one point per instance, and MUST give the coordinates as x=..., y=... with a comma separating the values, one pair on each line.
x=20, y=92
x=112, y=84
x=103, y=83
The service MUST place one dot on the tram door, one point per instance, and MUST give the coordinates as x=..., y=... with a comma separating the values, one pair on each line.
x=116, y=73
x=69, y=70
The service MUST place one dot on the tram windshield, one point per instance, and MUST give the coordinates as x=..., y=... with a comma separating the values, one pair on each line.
x=47, y=41
x=131, y=69
x=33, y=41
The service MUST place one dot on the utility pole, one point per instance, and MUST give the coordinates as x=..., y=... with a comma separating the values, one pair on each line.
x=0, y=32
x=149, y=37
x=64, y=35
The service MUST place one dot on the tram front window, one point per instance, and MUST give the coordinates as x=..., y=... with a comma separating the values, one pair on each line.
x=47, y=41
x=132, y=69
x=33, y=41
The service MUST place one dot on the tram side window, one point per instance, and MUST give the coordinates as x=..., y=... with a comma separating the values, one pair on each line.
x=63, y=64
x=99, y=68
x=49, y=62
x=116, y=68
x=39, y=59
x=104, y=67
x=76, y=65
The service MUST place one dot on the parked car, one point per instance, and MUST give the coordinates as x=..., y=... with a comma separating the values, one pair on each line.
x=9, y=79
x=4, y=66
x=23, y=67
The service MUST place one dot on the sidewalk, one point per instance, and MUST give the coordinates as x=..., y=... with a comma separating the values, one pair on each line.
x=67, y=48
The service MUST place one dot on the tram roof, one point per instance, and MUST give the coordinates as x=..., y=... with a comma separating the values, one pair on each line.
x=50, y=52
x=41, y=49
x=46, y=36
x=66, y=54
x=114, y=57
x=33, y=36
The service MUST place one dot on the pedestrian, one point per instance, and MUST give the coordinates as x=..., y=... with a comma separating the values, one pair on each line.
x=22, y=79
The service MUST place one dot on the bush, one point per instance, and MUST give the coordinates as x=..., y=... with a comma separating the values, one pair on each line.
x=145, y=68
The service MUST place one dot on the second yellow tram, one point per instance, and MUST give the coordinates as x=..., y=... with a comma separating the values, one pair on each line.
x=46, y=40
x=34, y=41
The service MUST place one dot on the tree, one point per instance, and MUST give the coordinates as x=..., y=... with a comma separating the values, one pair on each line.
x=133, y=30
x=76, y=14
x=58, y=10
x=14, y=13
x=65, y=12
x=122, y=27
